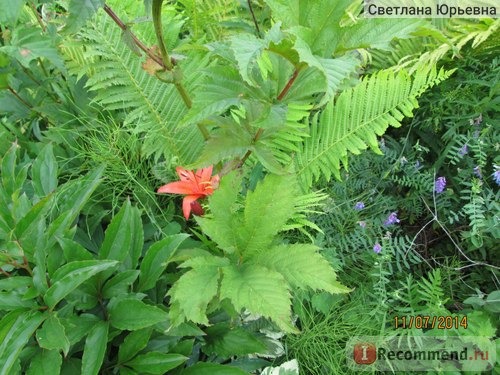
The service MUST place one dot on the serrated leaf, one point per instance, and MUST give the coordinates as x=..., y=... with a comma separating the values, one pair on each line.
x=302, y=266
x=11, y=10
x=156, y=362
x=45, y=362
x=71, y=275
x=267, y=209
x=95, y=348
x=203, y=280
x=16, y=330
x=44, y=171
x=156, y=258
x=259, y=290
x=132, y=314
x=52, y=335
x=133, y=344
x=80, y=11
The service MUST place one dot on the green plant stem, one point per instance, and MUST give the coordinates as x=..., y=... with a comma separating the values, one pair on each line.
x=136, y=40
x=13, y=92
x=37, y=15
x=253, y=17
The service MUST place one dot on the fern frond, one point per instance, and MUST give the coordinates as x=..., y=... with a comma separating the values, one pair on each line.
x=151, y=107
x=357, y=117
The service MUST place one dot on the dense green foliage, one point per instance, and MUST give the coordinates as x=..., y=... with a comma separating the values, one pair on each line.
x=302, y=238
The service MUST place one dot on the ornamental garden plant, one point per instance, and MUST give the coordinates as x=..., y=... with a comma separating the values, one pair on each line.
x=230, y=187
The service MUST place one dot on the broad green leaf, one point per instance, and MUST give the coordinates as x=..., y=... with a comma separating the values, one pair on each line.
x=133, y=344
x=123, y=239
x=226, y=342
x=200, y=284
x=119, y=284
x=52, y=335
x=11, y=9
x=80, y=11
x=156, y=362
x=225, y=225
x=44, y=171
x=71, y=275
x=260, y=291
x=11, y=182
x=267, y=158
x=156, y=258
x=17, y=336
x=45, y=362
x=13, y=300
x=132, y=314
x=377, y=33
x=267, y=209
x=77, y=326
x=73, y=251
x=95, y=348
x=205, y=368
x=302, y=266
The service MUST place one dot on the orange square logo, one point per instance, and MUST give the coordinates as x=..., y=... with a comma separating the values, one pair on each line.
x=364, y=353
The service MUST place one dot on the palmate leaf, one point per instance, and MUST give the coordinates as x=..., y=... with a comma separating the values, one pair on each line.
x=357, y=117
x=260, y=290
x=302, y=267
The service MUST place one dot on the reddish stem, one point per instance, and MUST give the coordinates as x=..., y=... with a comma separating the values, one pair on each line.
x=288, y=85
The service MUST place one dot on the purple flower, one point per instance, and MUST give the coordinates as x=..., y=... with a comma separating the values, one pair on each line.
x=464, y=150
x=496, y=174
x=439, y=185
x=362, y=224
x=377, y=248
x=392, y=219
x=359, y=206
x=477, y=171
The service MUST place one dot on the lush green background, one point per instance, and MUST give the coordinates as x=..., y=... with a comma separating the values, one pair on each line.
x=328, y=132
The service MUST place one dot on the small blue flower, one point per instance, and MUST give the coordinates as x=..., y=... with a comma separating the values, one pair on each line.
x=359, y=206
x=377, y=248
x=464, y=150
x=496, y=174
x=439, y=185
x=477, y=171
x=392, y=219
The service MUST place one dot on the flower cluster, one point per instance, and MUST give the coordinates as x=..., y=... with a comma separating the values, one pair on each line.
x=392, y=219
x=439, y=185
x=496, y=174
x=359, y=206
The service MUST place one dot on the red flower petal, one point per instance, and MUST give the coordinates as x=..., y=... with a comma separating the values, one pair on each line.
x=178, y=187
x=196, y=208
x=186, y=204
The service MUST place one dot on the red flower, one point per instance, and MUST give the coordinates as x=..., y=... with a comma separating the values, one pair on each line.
x=194, y=186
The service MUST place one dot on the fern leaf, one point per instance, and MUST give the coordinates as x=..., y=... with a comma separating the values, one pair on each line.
x=302, y=266
x=357, y=117
x=261, y=291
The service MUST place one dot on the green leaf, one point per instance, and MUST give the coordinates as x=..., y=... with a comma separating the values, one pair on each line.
x=119, y=284
x=200, y=284
x=156, y=259
x=52, y=335
x=204, y=368
x=377, y=33
x=72, y=250
x=80, y=11
x=226, y=342
x=133, y=344
x=132, y=314
x=16, y=334
x=267, y=209
x=45, y=362
x=302, y=266
x=11, y=9
x=77, y=326
x=260, y=291
x=95, y=349
x=44, y=171
x=123, y=239
x=71, y=275
x=156, y=362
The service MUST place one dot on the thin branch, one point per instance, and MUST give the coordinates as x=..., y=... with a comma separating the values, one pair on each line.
x=253, y=17
x=37, y=15
x=19, y=98
x=136, y=40
x=289, y=84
